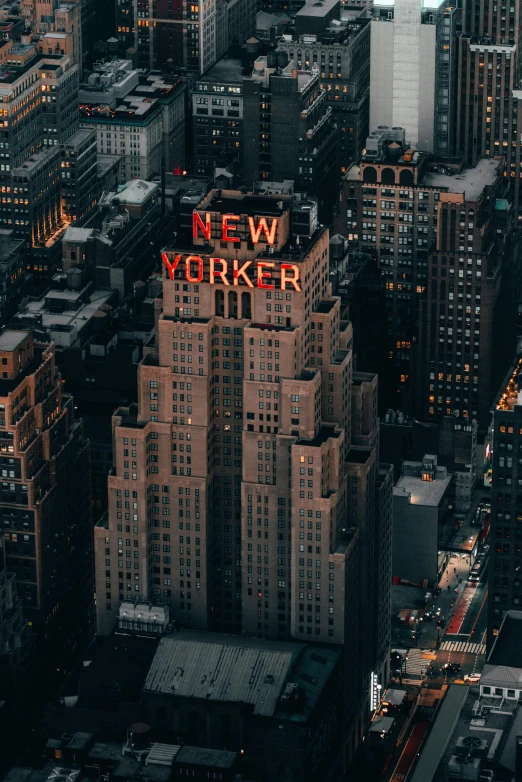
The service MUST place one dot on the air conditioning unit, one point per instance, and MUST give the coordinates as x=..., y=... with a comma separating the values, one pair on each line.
x=472, y=745
x=464, y=767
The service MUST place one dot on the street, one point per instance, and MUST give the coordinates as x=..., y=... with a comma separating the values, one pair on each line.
x=453, y=631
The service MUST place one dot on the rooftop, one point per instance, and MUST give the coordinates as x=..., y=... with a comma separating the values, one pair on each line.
x=245, y=204
x=507, y=649
x=11, y=339
x=9, y=245
x=441, y=733
x=471, y=181
x=75, y=319
x=203, y=756
x=136, y=191
x=428, y=493
x=10, y=73
x=318, y=8
x=227, y=70
x=324, y=434
x=223, y=668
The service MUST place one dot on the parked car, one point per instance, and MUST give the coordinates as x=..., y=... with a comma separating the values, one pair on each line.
x=472, y=678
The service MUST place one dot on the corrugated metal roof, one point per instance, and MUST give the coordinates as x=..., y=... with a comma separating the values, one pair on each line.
x=228, y=669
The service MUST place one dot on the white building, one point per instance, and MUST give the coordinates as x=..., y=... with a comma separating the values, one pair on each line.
x=403, y=68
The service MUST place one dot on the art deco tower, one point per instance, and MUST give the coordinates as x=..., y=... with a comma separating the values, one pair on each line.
x=247, y=494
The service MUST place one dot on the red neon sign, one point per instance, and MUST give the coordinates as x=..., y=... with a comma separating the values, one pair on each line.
x=218, y=271
x=229, y=226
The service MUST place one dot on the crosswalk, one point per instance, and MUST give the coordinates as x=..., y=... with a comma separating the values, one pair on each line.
x=415, y=664
x=462, y=646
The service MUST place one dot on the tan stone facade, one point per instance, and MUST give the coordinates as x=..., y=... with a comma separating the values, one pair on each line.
x=229, y=494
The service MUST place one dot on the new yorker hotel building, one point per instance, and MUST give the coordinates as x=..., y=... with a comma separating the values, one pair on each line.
x=228, y=500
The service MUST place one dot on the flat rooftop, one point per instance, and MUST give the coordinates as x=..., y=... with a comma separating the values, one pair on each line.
x=441, y=733
x=245, y=204
x=134, y=192
x=37, y=160
x=227, y=70
x=203, y=756
x=318, y=8
x=471, y=181
x=507, y=649
x=428, y=493
x=9, y=246
x=11, y=339
x=76, y=319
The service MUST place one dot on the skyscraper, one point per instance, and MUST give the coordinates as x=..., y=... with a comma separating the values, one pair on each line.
x=488, y=99
x=185, y=36
x=45, y=508
x=246, y=492
x=413, y=71
x=506, y=501
x=288, y=130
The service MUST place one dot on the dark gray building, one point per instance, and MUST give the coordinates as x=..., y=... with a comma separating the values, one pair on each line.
x=341, y=55
x=79, y=176
x=217, y=116
x=505, y=553
x=315, y=17
x=288, y=131
x=420, y=500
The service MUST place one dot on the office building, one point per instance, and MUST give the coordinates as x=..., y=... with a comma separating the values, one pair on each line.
x=118, y=246
x=46, y=501
x=13, y=281
x=420, y=504
x=252, y=508
x=467, y=313
x=506, y=508
x=79, y=176
x=288, y=131
x=341, y=55
x=57, y=29
x=189, y=38
x=391, y=204
x=39, y=98
x=488, y=110
x=413, y=72
x=141, y=118
x=16, y=643
x=217, y=117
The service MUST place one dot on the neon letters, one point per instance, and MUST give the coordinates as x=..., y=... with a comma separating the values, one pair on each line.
x=229, y=227
x=218, y=271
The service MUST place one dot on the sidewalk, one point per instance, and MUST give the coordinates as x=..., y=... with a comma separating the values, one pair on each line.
x=446, y=601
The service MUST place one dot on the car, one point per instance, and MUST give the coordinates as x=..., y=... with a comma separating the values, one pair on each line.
x=474, y=577
x=472, y=678
x=451, y=668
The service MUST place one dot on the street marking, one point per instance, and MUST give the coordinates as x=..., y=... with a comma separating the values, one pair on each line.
x=465, y=648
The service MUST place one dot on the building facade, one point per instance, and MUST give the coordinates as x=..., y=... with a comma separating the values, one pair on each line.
x=189, y=37
x=282, y=105
x=244, y=493
x=341, y=54
x=217, y=117
x=413, y=72
x=401, y=210
x=141, y=118
x=46, y=501
x=506, y=502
